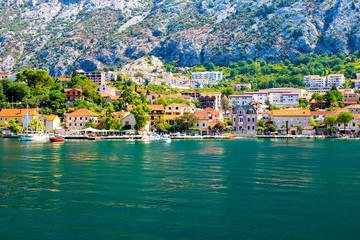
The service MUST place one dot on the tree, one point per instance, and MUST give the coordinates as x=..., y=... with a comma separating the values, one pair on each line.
x=227, y=91
x=74, y=73
x=161, y=125
x=141, y=111
x=108, y=118
x=186, y=121
x=260, y=129
x=18, y=91
x=312, y=122
x=345, y=118
x=225, y=105
x=14, y=126
x=272, y=129
x=220, y=126
x=57, y=100
x=36, y=125
x=35, y=78
x=330, y=121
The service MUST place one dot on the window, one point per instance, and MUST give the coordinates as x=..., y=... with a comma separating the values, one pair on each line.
x=353, y=124
x=75, y=124
x=248, y=119
x=203, y=124
x=248, y=127
x=80, y=118
x=253, y=119
x=127, y=123
x=16, y=119
x=86, y=118
x=70, y=124
x=80, y=124
x=253, y=127
x=1, y=119
x=69, y=118
x=5, y=119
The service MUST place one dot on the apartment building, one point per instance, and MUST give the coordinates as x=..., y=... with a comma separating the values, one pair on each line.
x=279, y=98
x=213, y=77
x=212, y=100
x=108, y=89
x=315, y=81
x=97, y=77
x=336, y=80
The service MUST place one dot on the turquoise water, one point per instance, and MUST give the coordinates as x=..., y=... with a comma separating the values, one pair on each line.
x=240, y=189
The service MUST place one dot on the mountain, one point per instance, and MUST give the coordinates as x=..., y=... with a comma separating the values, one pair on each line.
x=59, y=35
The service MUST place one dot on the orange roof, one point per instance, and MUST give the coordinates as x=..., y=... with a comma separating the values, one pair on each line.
x=64, y=79
x=50, y=117
x=291, y=112
x=69, y=89
x=323, y=113
x=82, y=112
x=16, y=112
x=356, y=106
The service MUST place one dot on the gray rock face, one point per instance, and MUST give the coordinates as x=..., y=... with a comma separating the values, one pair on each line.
x=60, y=35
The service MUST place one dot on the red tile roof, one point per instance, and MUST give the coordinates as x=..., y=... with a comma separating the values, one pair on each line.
x=83, y=112
x=16, y=112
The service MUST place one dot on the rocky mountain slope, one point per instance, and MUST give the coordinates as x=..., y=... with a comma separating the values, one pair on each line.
x=59, y=35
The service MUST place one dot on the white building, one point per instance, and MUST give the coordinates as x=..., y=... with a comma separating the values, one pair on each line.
x=336, y=80
x=213, y=77
x=108, y=89
x=9, y=76
x=279, y=98
x=315, y=81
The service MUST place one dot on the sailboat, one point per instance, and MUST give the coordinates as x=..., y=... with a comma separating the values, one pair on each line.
x=34, y=135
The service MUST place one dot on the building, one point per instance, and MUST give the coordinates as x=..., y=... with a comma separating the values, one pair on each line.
x=63, y=81
x=179, y=109
x=78, y=119
x=279, y=98
x=212, y=77
x=315, y=81
x=354, y=109
x=97, y=77
x=108, y=89
x=245, y=118
x=241, y=87
x=290, y=117
x=336, y=80
x=128, y=121
x=357, y=83
x=320, y=115
x=212, y=100
x=51, y=122
x=351, y=99
x=239, y=100
x=73, y=94
x=8, y=76
x=208, y=117
x=15, y=113
x=156, y=111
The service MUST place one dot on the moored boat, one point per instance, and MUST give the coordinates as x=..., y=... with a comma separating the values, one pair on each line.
x=166, y=138
x=57, y=139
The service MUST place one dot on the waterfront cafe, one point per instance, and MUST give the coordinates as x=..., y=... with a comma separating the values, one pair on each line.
x=97, y=132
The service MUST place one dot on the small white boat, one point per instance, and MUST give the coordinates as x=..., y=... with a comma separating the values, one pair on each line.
x=166, y=138
x=155, y=137
x=34, y=137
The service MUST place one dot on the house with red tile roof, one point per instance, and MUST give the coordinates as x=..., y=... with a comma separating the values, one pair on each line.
x=78, y=119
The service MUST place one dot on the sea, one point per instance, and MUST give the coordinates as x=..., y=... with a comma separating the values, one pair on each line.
x=186, y=189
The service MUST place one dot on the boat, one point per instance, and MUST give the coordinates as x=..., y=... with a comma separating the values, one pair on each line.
x=34, y=135
x=166, y=138
x=129, y=140
x=155, y=137
x=57, y=139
